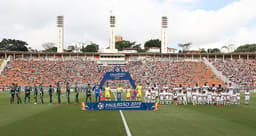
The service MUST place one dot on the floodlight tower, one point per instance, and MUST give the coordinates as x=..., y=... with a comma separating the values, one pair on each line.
x=60, y=29
x=112, y=33
x=164, y=34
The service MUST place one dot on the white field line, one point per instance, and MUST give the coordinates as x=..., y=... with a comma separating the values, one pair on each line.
x=128, y=132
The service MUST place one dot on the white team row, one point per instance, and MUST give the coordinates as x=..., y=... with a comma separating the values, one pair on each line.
x=196, y=95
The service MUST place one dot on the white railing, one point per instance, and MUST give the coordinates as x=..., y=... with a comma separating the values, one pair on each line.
x=4, y=64
x=216, y=72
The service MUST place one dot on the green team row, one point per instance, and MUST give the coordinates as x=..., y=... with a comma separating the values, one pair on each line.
x=16, y=91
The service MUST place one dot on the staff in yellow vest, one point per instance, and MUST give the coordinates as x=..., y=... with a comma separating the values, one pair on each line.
x=139, y=92
x=119, y=93
x=119, y=88
x=128, y=93
x=107, y=93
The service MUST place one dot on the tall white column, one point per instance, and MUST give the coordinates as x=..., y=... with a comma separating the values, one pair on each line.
x=164, y=34
x=112, y=40
x=60, y=30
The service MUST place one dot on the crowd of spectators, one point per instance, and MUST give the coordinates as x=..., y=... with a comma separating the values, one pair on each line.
x=163, y=73
x=240, y=71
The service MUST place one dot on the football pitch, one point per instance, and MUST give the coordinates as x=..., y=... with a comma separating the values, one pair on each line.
x=169, y=120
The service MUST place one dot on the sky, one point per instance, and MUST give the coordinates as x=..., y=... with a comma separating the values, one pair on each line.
x=204, y=23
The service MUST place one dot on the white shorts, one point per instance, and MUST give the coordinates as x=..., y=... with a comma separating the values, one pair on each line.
x=247, y=98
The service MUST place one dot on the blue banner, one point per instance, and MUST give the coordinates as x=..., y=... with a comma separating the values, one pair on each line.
x=119, y=105
x=117, y=75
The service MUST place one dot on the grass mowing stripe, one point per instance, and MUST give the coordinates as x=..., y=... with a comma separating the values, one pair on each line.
x=128, y=132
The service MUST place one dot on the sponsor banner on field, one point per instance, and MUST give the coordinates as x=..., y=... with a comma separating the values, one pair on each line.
x=119, y=105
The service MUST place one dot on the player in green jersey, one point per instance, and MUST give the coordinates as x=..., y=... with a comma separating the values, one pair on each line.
x=27, y=94
x=35, y=93
x=50, y=93
x=18, y=90
x=41, y=89
x=88, y=93
x=58, y=93
x=12, y=93
x=77, y=94
x=68, y=93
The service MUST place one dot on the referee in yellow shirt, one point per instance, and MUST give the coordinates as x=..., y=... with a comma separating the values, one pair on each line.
x=107, y=93
x=139, y=92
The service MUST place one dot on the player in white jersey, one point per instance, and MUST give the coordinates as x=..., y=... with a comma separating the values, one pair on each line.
x=189, y=94
x=225, y=94
x=162, y=96
x=156, y=90
x=197, y=88
x=153, y=95
x=175, y=93
x=194, y=98
x=200, y=97
x=238, y=95
x=230, y=93
x=179, y=97
x=219, y=95
x=205, y=87
x=209, y=96
x=184, y=98
x=247, y=96
x=148, y=95
x=228, y=97
x=170, y=97
x=166, y=97
x=233, y=98
x=214, y=95
x=223, y=97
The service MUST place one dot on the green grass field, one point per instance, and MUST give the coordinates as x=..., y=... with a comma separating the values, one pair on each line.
x=67, y=120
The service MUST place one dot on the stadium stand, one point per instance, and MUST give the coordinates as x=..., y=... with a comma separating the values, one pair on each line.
x=240, y=71
x=171, y=73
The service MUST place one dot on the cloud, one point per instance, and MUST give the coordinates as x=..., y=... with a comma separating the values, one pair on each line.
x=137, y=20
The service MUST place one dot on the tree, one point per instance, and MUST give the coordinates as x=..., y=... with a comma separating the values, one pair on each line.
x=214, y=50
x=49, y=47
x=202, y=50
x=93, y=47
x=185, y=46
x=152, y=43
x=13, y=45
x=120, y=45
x=246, y=48
x=52, y=49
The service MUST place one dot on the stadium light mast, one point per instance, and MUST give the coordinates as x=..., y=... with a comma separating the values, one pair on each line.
x=164, y=34
x=60, y=29
x=112, y=39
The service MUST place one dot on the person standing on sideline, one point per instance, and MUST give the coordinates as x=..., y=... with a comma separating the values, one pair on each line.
x=128, y=93
x=27, y=94
x=88, y=93
x=58, y=93
x=17, y=87
x=35, y=94
x=139, y=92
x=12, y=93
x=97, y=90
x=41, y=93
x=68, y=92
x=107, y=92
x=51, y=90
x=77, y=94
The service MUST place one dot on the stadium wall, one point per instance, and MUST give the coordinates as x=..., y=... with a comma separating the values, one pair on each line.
x=130, y=56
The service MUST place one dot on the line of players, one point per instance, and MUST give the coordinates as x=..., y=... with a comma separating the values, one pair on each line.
x=15, y=90
x=214, y=95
